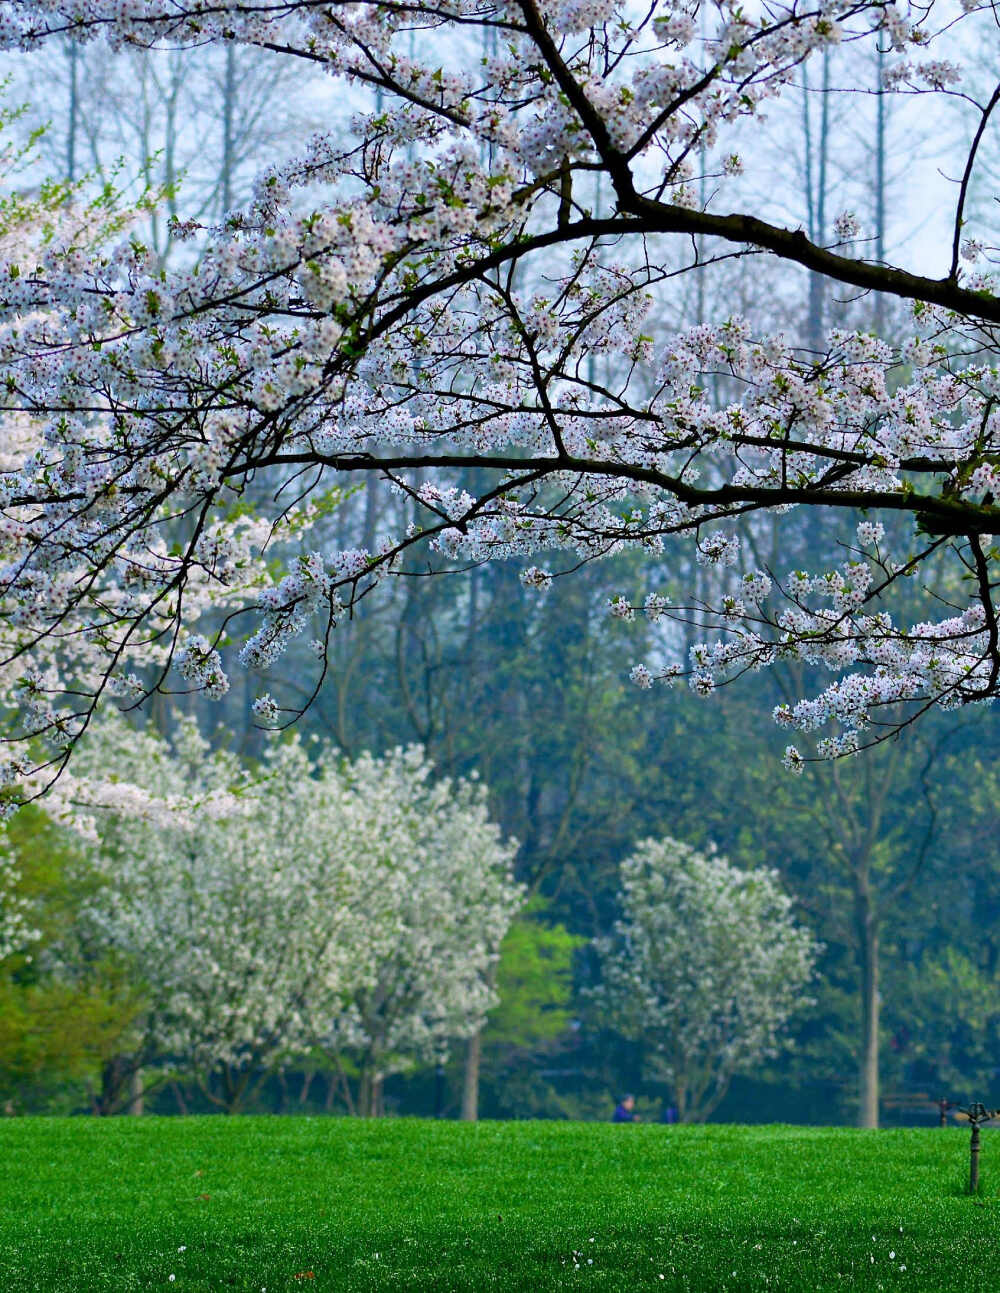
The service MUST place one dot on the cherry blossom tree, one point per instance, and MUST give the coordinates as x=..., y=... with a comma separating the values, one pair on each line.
x=705, y=966
x=268, y=912
x=31, y=215
x=426, y=297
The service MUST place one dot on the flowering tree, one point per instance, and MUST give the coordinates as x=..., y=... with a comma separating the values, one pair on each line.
x=705, y=965
x=265, y=915
x=439, y=905
x=424, y=298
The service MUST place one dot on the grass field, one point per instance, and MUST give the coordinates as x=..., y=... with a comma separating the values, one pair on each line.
x=287, y=1203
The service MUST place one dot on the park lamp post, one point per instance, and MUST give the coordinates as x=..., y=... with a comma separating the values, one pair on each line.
x=977, y=1114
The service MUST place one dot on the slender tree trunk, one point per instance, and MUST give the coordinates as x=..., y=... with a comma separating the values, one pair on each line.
x=880, y=182
x=73, y=54
x=228, y=106
x=345, y=1088
x=370, y=523
x=366, y=1084
x=867, y=932
x=816, y=201
x=470, y=1078
x=135, y=1104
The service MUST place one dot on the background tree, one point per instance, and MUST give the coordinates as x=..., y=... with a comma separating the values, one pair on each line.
x=705, y=965
x=64, y=1016
x=440, y=898
x=265, y=914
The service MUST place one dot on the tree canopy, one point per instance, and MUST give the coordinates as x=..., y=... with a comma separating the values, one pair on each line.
x=706, y=964
x=458, y=298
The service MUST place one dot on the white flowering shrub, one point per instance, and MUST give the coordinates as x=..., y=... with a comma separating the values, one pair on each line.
x=310, y=902
x=705, y=967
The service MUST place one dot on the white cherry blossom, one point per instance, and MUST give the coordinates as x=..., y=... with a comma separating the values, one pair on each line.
x=423, y=297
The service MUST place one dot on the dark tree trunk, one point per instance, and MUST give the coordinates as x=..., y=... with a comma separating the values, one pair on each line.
x=115, y=1077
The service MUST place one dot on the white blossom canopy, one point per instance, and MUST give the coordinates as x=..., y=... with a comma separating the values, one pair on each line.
x=705, y=965
x=417, y=300
x=265, y=909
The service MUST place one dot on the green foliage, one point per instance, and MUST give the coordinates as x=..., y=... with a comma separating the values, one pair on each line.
x=952, y=1007
x=534, y=983
x=55, y=1036
x=283, y=1203
x=62, y=1014
x=35, y=210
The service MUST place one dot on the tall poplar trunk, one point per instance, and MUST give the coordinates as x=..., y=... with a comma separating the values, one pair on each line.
x=228, y=108
x=73, y=54
x=470, y=1078
x=816, y=198
x=135, y=1104
x=856, y=822
x=880, y=181
x=868, y=1072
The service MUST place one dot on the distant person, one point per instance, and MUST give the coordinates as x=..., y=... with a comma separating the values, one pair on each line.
x=669, y=1114
x=625, y=1110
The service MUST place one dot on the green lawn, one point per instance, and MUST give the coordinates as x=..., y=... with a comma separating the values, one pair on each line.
x=298, y=1203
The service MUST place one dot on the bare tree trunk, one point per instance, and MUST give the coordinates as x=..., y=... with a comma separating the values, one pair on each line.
x=880, y=181
x=365, y=1093
x=135, y=1104
x=868, y=1104
x=816, y=325
x=228, y=106
x=470, y=1078
x=73, y=54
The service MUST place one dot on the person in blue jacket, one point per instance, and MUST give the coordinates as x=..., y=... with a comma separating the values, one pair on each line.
x=625, y=1110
